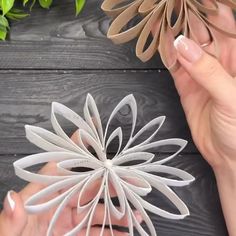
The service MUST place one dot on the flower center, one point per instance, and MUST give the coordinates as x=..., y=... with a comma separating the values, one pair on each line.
x=108, y=164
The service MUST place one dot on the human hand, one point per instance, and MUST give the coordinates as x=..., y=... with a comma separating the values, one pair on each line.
x=207, y=89
x=14, y=221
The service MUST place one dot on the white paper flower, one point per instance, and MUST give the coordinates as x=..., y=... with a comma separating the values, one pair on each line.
x=131, y=182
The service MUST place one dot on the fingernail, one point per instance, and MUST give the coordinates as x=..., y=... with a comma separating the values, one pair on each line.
x=138, y=217
x=10, y=200
x=188, y=49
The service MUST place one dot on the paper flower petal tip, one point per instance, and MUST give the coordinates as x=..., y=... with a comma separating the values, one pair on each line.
x=159, y=22
x=133, y=171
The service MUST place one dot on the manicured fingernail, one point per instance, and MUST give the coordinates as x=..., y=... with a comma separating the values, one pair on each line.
x=188, y=49
x=10, y=200
x=138, y=217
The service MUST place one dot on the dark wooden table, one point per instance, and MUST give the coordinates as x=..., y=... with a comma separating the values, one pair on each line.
x=53, y=56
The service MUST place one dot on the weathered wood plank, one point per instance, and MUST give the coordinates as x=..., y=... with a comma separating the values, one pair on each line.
x=201, y=197
x=88, y=62
x=25, y=98
x=56, y=39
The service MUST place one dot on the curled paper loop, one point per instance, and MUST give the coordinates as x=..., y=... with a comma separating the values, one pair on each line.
x=130, y=174
x=156, y=22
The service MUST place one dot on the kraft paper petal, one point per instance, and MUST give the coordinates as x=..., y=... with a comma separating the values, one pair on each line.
x=156, y=22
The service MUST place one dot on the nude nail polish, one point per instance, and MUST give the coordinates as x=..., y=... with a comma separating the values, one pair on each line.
x=188, y=49
x=10, y=200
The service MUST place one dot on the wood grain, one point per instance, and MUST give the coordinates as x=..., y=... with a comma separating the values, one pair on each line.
x=53, y=56
x=56, y=39
x=26, y=96
x=201, y=197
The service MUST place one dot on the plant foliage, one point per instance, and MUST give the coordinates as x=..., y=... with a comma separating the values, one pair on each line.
x=10, y=12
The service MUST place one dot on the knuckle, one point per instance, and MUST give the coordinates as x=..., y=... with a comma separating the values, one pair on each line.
x=210, y=67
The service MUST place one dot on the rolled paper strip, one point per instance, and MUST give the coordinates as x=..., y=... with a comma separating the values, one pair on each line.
x=31, y=204
x=144, y=156
x=92, y=117
x=156, y=20
x=117, y=133
x=131, y=174
x=184, y=178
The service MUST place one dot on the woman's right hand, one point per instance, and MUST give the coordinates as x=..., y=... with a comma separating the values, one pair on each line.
x=207, y=89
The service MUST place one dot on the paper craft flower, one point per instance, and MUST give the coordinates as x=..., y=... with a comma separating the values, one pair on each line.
x=130, y=181
x=158, y=15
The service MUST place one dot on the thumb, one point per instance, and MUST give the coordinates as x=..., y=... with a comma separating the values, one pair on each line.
x=205, y=70
x=13, y=218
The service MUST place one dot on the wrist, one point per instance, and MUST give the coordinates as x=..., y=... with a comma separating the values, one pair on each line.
x=226, y=183
x=226, y=174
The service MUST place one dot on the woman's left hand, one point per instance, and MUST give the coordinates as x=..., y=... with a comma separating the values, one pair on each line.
x=14, y=221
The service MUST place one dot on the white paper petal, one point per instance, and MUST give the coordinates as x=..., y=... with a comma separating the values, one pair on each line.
x=164, y=189
x=155, y=122
x=134, y=181
x=83, y=135
x=129, y=217
x=185, y=178
x=105, y=219
x=96, y=176
x=175, y=142
x=131, y=102
x=68, y=114
x=22, y=164
x=130, y=180
x=91, y=206
x=60, y=209
x=120, y=194
x=133, y=198
x=92, y=118
x=137, y=156
x=65, y=167
x=32, y=207
x=116, y=133
x=47, y=140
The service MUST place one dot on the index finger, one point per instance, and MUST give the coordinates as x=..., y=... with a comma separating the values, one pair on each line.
x=32, y=188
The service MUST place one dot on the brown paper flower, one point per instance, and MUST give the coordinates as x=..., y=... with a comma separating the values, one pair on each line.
x=169, y=18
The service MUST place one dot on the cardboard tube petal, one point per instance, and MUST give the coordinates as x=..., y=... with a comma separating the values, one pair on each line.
x=153, y=12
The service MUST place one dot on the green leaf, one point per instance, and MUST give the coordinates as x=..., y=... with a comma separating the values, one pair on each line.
x=25, y=2
x=34, y=1
x=6, y=5
x=45, y=3
x=3, y=34
x=4, y=26
x=4, y=22
x=16, y=14
x=79, y=4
